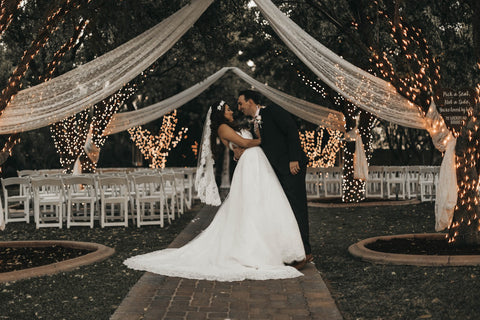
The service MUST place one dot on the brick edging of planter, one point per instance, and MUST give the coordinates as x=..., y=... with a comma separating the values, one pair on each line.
x=100, y=253
x=359, y=250
x=364, y=204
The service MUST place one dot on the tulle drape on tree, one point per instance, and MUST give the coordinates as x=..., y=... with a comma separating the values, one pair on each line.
x=358, y=86
x=70, y=93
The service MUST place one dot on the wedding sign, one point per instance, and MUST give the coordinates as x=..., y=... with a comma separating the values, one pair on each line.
x=453, y=105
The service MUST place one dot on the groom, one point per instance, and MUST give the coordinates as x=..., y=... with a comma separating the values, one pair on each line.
x=281, y=144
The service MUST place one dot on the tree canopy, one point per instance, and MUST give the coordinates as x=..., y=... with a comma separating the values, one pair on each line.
x=231, y=33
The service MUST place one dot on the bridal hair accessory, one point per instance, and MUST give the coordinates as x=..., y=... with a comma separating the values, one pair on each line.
x=205, y=177
x=220, y=105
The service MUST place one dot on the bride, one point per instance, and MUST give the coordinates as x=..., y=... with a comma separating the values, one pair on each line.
x=254, y=233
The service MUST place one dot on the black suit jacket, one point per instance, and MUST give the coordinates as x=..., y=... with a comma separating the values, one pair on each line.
x=280, y=139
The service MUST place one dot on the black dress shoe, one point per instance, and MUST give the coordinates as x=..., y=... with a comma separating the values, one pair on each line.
x=299, y=265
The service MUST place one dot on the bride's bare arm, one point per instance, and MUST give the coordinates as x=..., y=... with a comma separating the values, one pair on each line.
x=225, y=132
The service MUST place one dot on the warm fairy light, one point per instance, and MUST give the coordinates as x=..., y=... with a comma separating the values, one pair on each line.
x=67, y=46
x=7, y=11
x=424, y=72
x=157, y=148
x=318, y=157
x=467, y=211
x=195, y=148
x=353, y=189
x=14, y=83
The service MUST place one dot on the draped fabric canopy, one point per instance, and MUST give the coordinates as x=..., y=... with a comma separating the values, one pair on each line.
x=360, y=87
x=72, y=92
x=92, y=82
x=306, y=110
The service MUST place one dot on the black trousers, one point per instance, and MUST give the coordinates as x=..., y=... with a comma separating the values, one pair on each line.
x=295, y=189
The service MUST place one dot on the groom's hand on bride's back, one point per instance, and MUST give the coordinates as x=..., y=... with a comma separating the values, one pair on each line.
x=294, y=167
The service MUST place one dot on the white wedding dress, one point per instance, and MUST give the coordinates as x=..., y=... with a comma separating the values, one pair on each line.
x=251, y=237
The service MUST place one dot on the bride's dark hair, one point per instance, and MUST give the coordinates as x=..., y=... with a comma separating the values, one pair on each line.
x=217, y=118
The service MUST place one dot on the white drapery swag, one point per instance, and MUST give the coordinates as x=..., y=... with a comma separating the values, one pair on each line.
x=72, y=92
x=361, y=88
x=446, y=193
x=373, y=95
x=306, y=110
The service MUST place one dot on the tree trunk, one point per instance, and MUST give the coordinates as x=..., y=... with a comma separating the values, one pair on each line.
x=464, y=230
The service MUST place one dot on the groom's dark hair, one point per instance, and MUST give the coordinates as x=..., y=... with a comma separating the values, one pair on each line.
x=250, y=94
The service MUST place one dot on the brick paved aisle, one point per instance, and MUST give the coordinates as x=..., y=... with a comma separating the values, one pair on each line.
x=159, y=297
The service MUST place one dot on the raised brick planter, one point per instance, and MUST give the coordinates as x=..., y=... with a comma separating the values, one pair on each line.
x=99, y=252
x=360, y=251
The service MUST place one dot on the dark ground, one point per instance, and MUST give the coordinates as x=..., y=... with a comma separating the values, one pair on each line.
x=14, y=259
x=90, y=292
x=362, y=290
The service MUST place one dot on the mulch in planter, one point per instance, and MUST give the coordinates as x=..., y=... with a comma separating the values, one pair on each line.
x=339, y=200
x=19, y=258
x=421, y=246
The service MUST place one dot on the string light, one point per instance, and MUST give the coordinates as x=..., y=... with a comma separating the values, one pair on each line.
x=70, y=134
x=353, y=189
x=318, y=157
x=424, y=71
x=12, y=140
x=466, y=216
x=102, y=114
x=195, y=149
x=14, y=83
x=55, y=18
x=8, y=9
x=157, y=148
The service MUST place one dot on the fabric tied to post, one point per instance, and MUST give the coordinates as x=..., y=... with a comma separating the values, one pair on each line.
x=447, y=190
x=93, y=152
x=360, y=164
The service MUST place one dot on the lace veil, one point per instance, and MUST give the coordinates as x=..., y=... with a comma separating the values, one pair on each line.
x=205, y=178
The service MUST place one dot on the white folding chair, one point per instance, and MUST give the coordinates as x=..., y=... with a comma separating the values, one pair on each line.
x=81, y=195
x=427, y=181
x=171, y=196
x=48, y=201
x=188, y=183
x=374, y=183
x=411, y=176
x=27, y=173
x=312, y=183
x=114, y=198
x=395, y=181
x=180, y=188
x=332, y=181
x=17, y=196
x=150, y=200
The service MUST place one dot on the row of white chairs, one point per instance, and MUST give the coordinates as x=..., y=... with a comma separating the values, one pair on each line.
x=147, y=197
x=386, y=182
